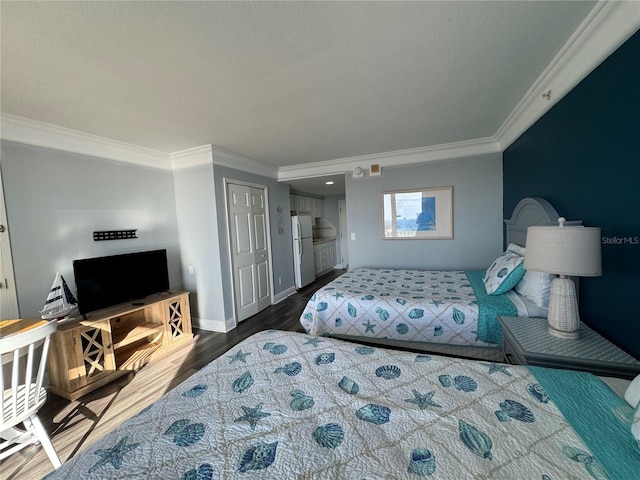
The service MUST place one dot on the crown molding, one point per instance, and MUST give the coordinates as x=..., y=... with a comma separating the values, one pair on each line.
x=608, y=25
x=192, y=157
x=41, y=134
x=397, y=158
x=227, y=158
x=210, y=154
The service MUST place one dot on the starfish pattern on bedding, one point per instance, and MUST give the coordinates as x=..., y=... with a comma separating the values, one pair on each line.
x=313, y=341
x=369, y=327
x=338, y=295
x=239, y=357
x=498, y=367
x=423, y=401
x=252, y=415
x=114, y=454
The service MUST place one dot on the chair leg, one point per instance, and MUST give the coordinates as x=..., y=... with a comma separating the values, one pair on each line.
x=41, y=433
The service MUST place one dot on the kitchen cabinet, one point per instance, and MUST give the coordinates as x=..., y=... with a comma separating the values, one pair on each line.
x=304, y=203
x=324, y=256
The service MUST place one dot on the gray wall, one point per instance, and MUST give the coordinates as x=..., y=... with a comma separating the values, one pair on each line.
x=55, y=200
x=204, y=238
x=477, y=216
x=198, y=234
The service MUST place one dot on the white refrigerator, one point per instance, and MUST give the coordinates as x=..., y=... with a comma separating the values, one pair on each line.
x=303, y=264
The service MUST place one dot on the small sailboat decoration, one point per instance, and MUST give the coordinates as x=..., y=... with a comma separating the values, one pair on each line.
x=60, y=302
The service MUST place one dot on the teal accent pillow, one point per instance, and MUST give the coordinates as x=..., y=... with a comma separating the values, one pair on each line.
x=635, y=425
x=504, y=273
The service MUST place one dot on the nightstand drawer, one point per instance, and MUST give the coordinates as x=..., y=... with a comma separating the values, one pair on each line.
x=511, y=354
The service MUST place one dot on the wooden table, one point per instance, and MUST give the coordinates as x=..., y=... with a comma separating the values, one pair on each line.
x=18, y=325
x=526, y=341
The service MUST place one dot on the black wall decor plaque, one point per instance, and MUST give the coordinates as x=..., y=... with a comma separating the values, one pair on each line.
x=114, y=235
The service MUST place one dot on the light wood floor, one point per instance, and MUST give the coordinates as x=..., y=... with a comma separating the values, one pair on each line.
x=73, y=426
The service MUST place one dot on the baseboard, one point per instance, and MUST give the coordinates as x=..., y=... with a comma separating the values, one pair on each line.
x=284, y=294
x=220, y=326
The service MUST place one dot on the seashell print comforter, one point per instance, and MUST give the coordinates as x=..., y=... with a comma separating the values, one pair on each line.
x=284, y=405
x=444, y=307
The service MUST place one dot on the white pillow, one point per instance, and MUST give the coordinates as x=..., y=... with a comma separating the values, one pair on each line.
x=525, y=307
x=516, y=249
x=504, y=273
x=632, y=394
x=536, y=286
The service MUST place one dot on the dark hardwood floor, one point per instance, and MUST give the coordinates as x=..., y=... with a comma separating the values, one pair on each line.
x=74, y=425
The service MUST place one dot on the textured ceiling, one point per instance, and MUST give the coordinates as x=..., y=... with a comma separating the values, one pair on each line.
x=283, y=83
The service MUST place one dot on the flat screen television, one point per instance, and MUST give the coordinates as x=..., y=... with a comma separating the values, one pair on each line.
x=105, y=281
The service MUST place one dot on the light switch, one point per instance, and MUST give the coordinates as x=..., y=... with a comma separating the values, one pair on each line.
x=190, y=269
x=353, y=236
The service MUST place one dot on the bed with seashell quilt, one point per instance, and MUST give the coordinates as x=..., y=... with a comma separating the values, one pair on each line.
x=289, y=405
x=438, y=310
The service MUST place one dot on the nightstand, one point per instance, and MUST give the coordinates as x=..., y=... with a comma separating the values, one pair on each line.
x=526, y=341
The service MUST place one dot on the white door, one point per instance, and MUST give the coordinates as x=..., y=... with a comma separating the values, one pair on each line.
x=249, y=249
x=8, y=296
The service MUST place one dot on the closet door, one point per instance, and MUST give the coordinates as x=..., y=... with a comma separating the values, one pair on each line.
x=249, y=249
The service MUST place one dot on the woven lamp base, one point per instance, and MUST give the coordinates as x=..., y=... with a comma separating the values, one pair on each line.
x=563, y=317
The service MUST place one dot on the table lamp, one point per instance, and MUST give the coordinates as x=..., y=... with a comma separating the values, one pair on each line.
x=565, y=251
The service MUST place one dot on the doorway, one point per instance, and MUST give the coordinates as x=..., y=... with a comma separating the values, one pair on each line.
x=8, y=294
x=344, y=245
x=249, y=248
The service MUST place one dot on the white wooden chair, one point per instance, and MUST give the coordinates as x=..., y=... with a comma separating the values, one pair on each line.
x=22, y=390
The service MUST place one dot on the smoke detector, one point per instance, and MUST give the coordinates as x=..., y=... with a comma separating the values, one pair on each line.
x=358, y=172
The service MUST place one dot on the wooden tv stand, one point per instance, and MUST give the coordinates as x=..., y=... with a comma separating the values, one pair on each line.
x=86, y=354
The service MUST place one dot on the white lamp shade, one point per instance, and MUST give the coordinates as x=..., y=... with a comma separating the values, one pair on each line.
x=570, y=251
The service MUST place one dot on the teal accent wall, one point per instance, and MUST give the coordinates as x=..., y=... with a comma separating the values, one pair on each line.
x=583, y=156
